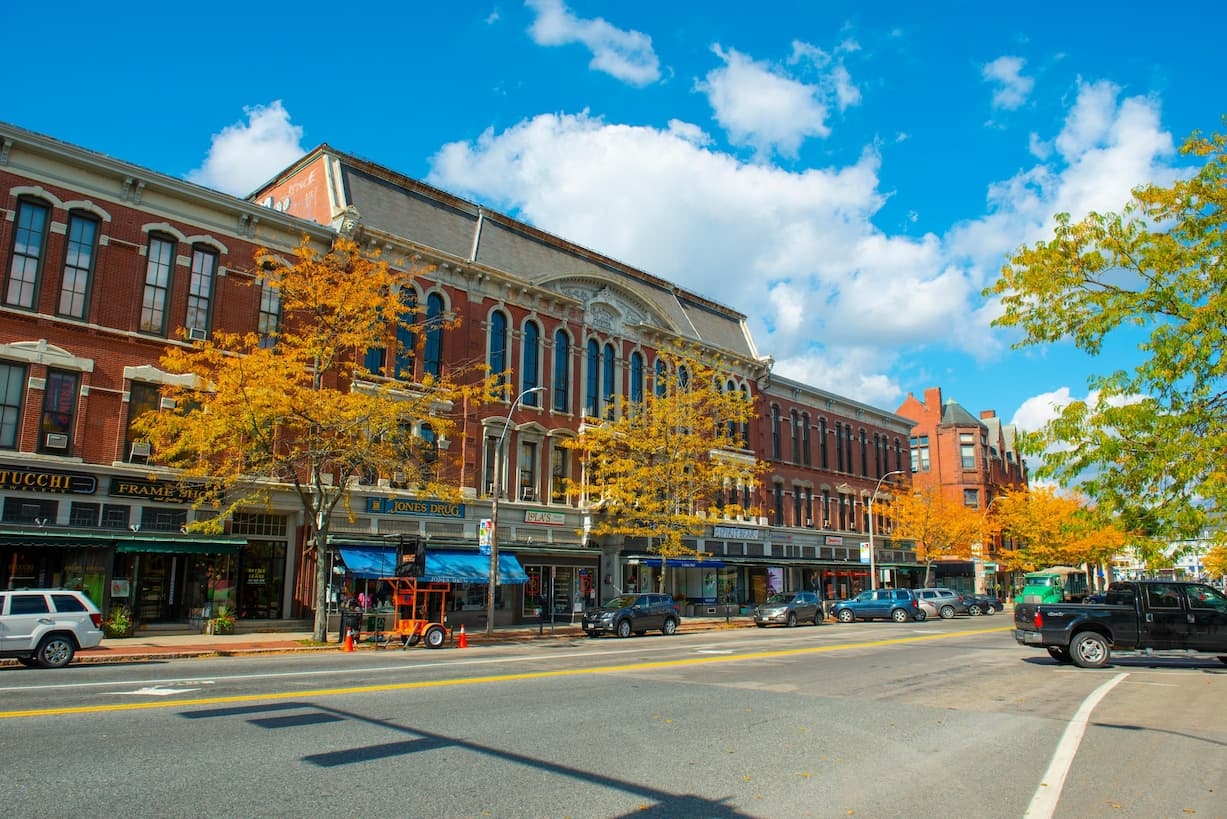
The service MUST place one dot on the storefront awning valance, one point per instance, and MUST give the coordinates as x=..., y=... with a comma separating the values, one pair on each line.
x=369, y=562
x=442, y=566
x=187, y=546
x=471, y=567
x=683, y=563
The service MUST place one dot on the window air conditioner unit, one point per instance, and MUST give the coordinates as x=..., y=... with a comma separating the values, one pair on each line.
x=57, y=440
x=140, y=449
x=197, y=333
x=167, y=404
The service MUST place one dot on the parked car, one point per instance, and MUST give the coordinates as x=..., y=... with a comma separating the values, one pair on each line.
x=46, y=627
x=899, y=605
x=977, y=604
x=629, y=614
x=788, y=609
x=943, y=603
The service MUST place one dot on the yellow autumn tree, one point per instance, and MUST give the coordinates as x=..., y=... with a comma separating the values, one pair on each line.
x=939, y=526
x=1050, y=528
x=1214, y=563
x=296, y=409
x=654, y=469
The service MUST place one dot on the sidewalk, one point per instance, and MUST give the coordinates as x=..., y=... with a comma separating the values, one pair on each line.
x=178, y=646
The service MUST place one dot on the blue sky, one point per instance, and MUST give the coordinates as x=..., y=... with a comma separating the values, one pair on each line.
x=848, y=175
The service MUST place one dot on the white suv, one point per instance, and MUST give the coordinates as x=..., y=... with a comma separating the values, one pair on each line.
x=46, y=626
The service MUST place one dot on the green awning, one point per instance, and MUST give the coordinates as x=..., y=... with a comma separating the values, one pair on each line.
x=187, y=546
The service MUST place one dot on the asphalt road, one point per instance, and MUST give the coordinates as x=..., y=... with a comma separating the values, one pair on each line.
x=870, y=719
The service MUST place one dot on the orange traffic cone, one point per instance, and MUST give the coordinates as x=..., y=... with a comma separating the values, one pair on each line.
x=349, y=640
x=464, y=640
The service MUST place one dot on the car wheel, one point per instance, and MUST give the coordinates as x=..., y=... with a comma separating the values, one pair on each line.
x=55, y=651
x=975, y=610
x=791, y=622
x=818, y=619
x=1090, y=649
x=1059, y=653
x=669, y=628
x=846, y=616
x=990, y=609
x=624, y=628
x=899, y=616
x=946, y=612
x=921, y=616
x=435, y=636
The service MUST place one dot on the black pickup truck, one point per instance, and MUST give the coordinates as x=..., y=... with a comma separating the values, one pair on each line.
x=1148, y=616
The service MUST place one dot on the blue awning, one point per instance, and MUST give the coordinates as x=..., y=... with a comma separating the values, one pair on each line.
x=471, y=567
x=372, y=562
x=369, y=562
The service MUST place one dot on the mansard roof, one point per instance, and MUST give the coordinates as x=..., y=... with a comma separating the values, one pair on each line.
x=953, y=415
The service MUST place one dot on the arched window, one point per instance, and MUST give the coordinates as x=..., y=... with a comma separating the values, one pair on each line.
x=531, y=357
x=432, y=350
x=805, y=449
x=607, y=381
x=775, y=432
x=745, y=425
x=79, y=252
x=29, y=246
x=498, y=346
x=592, y=374
x=406, y=335
x=662, y=383
x=562, y=371
x=636, y=377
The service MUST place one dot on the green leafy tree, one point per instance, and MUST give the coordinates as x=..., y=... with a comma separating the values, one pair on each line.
x=297, y=410
x=659, y=466
x=1148, y=446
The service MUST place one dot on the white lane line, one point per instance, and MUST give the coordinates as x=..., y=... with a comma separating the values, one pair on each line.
x=1044, y=803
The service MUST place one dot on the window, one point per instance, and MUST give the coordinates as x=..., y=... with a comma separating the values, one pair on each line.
x=796, y=437
x=28, y=604
x=662, y=382
x=809, y=508
x=778, y=503
x=967, y=450
x=805, y=445
x=29, y=510
x=59, y=413
x=154, y=519
x=159, y=265
x=491, y=448
x=498, y=346
x=797, y=519
x=839, y=447
x=29, y=244
x=83, y=514
x=608, y=389
x=562, y=371
x=558, y=474
x=745, y=425
x=920, y=453
x=528, y=471
x=12, y=388
x=864, y=454
x=115, y=516
x=971, y=498
x=593, y=374
x=200, y=292
x=269, y=320
x=78, y=265
x=432, y=350
x=406, y=336
x=142, y=398
x=775, y=432
x=636, y=377
x=822, y=443
x=530, y=370
x=826, y=509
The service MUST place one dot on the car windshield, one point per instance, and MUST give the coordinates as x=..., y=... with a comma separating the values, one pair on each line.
x=621, y=602
x=780, y=599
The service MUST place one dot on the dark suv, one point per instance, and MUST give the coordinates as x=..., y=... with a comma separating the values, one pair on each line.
x=629, y=614
x=899, y=605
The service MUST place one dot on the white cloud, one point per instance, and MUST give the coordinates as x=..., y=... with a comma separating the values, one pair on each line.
x=624, y=55
x=1012, y=88
x=245, y=155
x=771, y=109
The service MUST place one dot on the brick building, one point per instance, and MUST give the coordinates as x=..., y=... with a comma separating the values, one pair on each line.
x=106, y=264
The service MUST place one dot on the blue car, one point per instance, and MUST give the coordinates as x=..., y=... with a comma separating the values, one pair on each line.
x=899, y=605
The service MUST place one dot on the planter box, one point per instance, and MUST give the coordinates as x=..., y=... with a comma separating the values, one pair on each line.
x=214, y=627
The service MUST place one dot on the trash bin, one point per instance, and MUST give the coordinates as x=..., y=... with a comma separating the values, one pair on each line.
x=350, y=620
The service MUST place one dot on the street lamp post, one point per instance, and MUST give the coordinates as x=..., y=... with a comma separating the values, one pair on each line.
x=873, y=555
x=497, y=489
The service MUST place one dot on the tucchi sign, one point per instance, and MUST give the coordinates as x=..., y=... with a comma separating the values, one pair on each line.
x=161, y=491
x=415, y=506
x=47, y=480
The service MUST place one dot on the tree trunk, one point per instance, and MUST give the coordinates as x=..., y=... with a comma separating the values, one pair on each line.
x=320, y=628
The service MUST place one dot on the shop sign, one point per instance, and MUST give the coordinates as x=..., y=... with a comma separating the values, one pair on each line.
x=47, y=480
x=414, y=506
x=833, y=541
x=256, y=575
x=545, y=518
x=736, y=533
x=162, y=491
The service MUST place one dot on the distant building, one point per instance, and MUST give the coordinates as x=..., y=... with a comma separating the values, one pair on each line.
x=969, y=459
